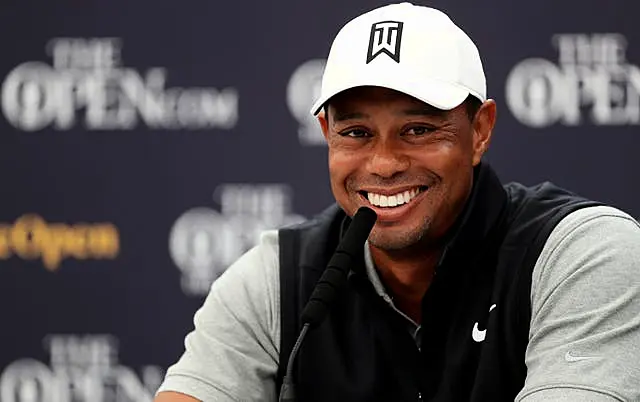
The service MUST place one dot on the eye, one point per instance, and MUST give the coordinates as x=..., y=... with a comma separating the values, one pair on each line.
x=419, y=130
x=355, y=133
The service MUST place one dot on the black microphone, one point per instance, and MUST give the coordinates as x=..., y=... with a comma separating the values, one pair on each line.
x=331, y=284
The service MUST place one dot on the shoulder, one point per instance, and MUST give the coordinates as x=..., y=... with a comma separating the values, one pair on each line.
x=599, y=237
x=256, y=273
x=545, y=193
x=535, y=212
x=259, y=262
x=233, y=350
x=247, y=294
x=590, y=226
x=585, y=299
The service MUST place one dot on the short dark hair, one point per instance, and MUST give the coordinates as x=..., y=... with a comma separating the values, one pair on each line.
x=471, y=105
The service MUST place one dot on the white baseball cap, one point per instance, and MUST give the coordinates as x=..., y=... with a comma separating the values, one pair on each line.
x=412, y=49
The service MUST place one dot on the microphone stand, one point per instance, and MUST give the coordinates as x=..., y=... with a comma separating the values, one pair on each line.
x=332, y=282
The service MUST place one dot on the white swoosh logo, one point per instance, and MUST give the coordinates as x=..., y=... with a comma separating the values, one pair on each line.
x=571, y=358
x=478, y=335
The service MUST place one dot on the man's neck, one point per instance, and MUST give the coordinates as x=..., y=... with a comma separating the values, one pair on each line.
x=406, y=275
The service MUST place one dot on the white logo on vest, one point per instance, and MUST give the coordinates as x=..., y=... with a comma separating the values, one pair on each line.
x=477, y=334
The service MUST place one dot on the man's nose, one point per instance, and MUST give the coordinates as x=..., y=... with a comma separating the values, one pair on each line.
x=387, y=159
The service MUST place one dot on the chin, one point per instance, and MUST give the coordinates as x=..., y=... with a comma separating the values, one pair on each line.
x=390, y=239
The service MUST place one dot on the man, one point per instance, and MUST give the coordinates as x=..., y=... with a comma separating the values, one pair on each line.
x=467, y=290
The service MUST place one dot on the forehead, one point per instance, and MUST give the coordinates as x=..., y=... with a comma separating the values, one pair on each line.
x=369, y=95
x=366, y=102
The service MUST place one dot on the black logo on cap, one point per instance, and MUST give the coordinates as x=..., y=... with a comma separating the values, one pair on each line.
x=385, y=38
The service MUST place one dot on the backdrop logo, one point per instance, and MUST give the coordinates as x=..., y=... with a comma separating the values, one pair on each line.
x=591, y=82
x=30, y=238
x=81, y=369
x=204, y=242
x=302, y=91
x=88, y=82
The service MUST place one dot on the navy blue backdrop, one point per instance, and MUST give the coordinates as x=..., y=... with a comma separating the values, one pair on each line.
x=144, y=145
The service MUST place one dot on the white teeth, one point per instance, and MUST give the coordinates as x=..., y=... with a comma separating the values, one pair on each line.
x=380, y=200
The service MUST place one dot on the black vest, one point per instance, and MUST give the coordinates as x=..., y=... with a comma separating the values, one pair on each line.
x=363, y=350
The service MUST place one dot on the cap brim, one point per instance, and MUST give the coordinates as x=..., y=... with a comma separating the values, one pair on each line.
x=439, y=94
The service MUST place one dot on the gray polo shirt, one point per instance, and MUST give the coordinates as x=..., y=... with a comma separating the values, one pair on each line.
x=584, y=338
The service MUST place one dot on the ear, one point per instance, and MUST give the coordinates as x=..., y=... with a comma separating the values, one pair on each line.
x=482, y=126
x=324, y=123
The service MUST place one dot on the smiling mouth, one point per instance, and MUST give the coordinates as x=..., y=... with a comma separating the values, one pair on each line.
x=392, y=200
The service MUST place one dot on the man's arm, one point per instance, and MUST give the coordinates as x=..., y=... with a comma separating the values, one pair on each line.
x=233, y=352
x=169, y=396
x=584, y=340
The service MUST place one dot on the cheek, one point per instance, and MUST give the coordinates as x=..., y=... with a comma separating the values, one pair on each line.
x=342, y=164
x=459, y=183
x=339, y=171
x=453, y=157
x=335, y=166
x=444, y=160
x=453, y=164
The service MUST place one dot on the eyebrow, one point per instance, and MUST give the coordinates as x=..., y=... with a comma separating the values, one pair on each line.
x=349, y=116
x=417, y=111
x=424, y=111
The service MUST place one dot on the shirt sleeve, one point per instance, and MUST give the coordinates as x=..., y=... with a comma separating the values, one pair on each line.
x=584, y=339
x=233, y=352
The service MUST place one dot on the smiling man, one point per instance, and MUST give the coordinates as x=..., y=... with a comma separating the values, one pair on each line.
x=467, y=289
x=413, y=165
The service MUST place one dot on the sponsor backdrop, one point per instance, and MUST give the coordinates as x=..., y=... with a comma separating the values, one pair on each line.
x=144, y=145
